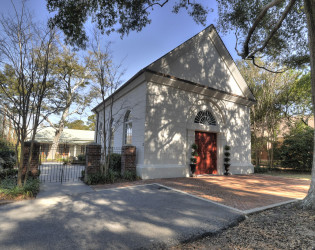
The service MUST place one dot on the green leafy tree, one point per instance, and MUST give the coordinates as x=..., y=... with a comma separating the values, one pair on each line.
x=279, y=30
x=77, y=124
x=91, y=122
x=279, y=99
x=120, y=16
x=72, y=78
x=297, y=148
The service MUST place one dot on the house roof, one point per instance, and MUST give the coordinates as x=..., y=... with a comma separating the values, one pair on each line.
x=71, y=136
x=156, y=67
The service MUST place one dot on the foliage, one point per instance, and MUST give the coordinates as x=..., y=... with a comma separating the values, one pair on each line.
x=194, y=153
x=120, y=16
x=130, y=176
x=66, y=160
x=9, y=188
x=280, y=98
x=77, y=124
x=227, y=159
x=112, y=176
x=260, y=29
x=8, y=173
x=81, y=157
x=297, y=149
x=259, y=169
x=115, y=162
x=25, y=80
x=7, y=154
x=91, y=122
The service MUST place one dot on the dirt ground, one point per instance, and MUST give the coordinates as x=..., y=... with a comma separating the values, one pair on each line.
x=285, y=227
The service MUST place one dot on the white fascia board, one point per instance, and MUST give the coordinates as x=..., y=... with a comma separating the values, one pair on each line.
x=122, y=91
x=196, y=88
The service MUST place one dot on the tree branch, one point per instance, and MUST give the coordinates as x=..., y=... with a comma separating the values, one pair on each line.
x=255, y=24
x=159, y=4
x=263, y=67
x=275, y=29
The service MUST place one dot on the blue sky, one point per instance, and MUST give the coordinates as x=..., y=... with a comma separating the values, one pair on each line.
x=138, y=49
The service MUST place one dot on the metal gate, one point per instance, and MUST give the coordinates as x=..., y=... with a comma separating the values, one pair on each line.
x=64, y=163
x=59, y=172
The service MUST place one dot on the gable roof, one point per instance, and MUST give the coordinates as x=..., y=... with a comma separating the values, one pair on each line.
x=71, y=136
x=201, y=60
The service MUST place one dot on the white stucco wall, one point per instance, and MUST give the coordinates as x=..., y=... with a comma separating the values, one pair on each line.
x=170, y=131
x=198, y=60
x=133, y=99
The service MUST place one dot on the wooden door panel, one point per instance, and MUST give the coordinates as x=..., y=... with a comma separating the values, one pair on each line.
x=207, y=153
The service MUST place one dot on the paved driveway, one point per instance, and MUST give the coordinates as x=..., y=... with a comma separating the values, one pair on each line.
x=244, y=192
x=126, y=218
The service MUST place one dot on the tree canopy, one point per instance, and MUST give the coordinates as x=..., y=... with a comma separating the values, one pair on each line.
x=117, y=15
x=276, y=29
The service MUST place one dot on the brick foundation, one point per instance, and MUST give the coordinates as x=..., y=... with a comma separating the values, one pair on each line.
x=128, y=159
x=35, y=158
x=92, y=159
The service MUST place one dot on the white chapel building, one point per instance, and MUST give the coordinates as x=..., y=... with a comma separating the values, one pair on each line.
x=193, y=94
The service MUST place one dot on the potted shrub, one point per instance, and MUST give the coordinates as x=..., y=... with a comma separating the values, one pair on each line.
x=193, y=159
x=227, y=159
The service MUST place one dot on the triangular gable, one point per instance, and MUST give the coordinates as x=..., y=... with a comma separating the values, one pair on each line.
x=204, y=59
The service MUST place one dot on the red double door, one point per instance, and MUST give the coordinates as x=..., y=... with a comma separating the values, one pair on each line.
x=207, y=153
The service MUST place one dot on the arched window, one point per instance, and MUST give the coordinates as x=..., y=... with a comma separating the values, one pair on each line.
x=127, y=128
x=205, y=117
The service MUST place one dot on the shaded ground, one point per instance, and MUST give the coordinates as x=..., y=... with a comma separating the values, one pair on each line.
x=285, y=227
x=142, y=217
x=289, y=175
x=244, y=192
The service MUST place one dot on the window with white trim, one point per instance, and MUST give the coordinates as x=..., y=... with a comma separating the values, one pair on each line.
x=127, y=128
x=205, y=117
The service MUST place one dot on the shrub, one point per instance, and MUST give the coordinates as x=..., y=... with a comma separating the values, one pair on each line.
x=5, y=173
x=130, y=175
x=111, y=177
x=297, y=149
x=7, y=154
x=9, y=188
x=115, y=162
x=81, y=157
x=258, y=169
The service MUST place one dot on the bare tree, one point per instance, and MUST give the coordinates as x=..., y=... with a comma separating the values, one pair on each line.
x=107, y=77
x=25, y=54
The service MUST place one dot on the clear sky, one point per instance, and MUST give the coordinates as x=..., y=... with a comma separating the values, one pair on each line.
x=138, y=49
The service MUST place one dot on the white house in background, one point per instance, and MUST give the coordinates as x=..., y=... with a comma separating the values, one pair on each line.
x=72, y=141
x=193, y=94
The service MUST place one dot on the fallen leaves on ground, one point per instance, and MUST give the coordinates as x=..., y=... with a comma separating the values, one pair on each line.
x=285, y=227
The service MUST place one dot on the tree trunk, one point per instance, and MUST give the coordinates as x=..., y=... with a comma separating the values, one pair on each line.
x=309, y=5
x=54, y=147
x=105, y=167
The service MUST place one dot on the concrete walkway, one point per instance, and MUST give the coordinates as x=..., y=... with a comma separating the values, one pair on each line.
x=141, y=217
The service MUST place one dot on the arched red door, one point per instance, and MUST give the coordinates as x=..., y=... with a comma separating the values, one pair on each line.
x=207, y=153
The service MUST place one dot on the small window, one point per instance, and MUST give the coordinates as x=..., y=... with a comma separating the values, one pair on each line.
x=112, y=137
x=205, y=117
x=127, y=128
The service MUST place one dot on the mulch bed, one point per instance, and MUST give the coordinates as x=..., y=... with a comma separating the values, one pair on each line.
x=285, y=227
